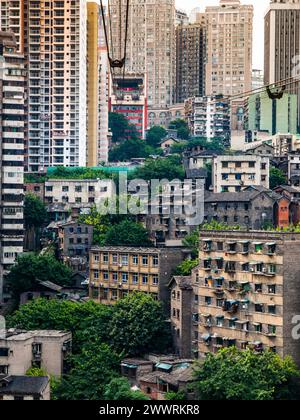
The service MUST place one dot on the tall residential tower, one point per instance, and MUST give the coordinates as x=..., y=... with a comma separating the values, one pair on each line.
x=52, y=36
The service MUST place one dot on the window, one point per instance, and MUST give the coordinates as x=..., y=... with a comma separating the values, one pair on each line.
x=124, y=259
x=115, y=259
x=272, y=329
x=96, y=258
x=272, y=289
x=145, y=279
x=258, y=328
x=145, y=260
x=155, y=280
x=105, y=258
x=124, y=277
x=258, y=248
x=220, y=321
x=115, y=277
x=220, y=246
x=208, y=300
x=135, y=259
x=105, y=276
x=259, y=308
x=272, y=309
x=135, y=279
x=272, y=269
x=96, y=274
x=258, y=288
x=155, y=261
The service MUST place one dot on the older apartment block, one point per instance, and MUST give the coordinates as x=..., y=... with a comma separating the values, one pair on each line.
x=235, y=173
x=21, y=350
x=117, y=271
x=245, y=293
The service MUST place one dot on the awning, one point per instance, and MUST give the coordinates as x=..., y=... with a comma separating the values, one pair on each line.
x=129, y=366
x=234, y=319
x=206, y=337
x=164, y=366
x=257, y=243
x=255, y=262
x=271, y=243
x=220, y=316
x=244, y=242
x=231, y=242
x=219, y=258
x=207, y=240
x=245, y=301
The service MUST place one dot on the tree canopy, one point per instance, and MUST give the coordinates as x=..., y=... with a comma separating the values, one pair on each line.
x=244, y=375
x=277, y=178
x=31, y=268
x=155, y=135
x=119, y=390
x=182, y=127
x=35, y=213
x=120, y=128
x=169, y=168
x=129, y=149
x=186, y=267
x=128, y=233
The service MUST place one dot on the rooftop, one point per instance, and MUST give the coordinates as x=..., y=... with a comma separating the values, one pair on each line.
x=23, y=385
x=118, y=249
x=21, y=335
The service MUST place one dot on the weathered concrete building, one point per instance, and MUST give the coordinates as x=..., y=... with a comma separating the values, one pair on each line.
x=117, y=271
x=24, y=388
x=235, y=173
x=21, y=350
x=245, y=293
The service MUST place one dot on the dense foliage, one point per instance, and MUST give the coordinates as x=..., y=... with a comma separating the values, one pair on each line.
x=169, y=168
x=129, y=149
x=155, y=135
x=120, y=128
x=244, y=375
x=30, y=269
x=35, y=213
x=277, y=178
x=183, y=131
x=128, y=233
x=186, y=267
x=119, y=390
x=102, y=336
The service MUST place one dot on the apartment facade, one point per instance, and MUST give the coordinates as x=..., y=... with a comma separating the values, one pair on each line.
x=209, y=116
x=282, y=44
x=21, y=350
x=235, y=173
x=151, y=45
x=129, y=98
x=229, y=48
x=75, y=241
x=52, y=36
x=247, y=292
x=76, y=191
x=12, y=109
x=117, y=271
x=190, y=61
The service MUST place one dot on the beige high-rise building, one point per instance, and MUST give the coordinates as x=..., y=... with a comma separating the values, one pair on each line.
x=52, y=35
x=229, y=48
x=97, y=88
x=151, y=45
x=282, y=44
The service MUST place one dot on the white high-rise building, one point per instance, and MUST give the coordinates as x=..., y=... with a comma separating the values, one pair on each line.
x=12, y=115
x=151, y=45
x=52, y=36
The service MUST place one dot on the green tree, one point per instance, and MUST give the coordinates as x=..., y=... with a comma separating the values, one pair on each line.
x=244, y=375
x=155, y=135
x=132, y=329
x=129, y=149
x=277, y=178
x=120, y=128
x=35, y=216
x=30, y=269
x=86, y=321
x=35, y=213
x=186, y=267
x=128, y=233
x=169, y=168
x=176, y=396
x=119, y=390
x=182, y=128
x=93, y=369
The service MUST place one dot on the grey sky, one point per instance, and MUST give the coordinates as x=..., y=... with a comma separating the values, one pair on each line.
x=260, y=8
